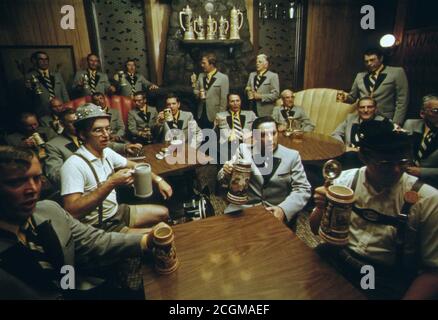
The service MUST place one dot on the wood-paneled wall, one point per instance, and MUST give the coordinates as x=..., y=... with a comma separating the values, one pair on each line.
x=37, y=22
x=333, y=44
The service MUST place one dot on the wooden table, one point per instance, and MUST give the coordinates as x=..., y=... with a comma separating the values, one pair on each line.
x=165, y=167
x=314, y=146
x=247, y=256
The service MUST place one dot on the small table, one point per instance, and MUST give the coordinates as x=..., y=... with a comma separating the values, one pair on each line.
x=314, y=146
x=247, y=256
x=183, y=163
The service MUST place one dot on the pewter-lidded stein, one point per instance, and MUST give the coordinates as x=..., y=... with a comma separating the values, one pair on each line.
x=223, y=28
x=36, y=85
x=187, y=25
x=199, y=28
x=211, y=28
x=122, y=79
x=86, y=81
x=235, y=25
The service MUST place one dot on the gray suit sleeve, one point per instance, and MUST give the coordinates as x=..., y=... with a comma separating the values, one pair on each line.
x=132, y=124
x=275, y=91
x=65, y=97
x=117, y=147
x=224, y=92
x=53, y=164
x=145, y=84
x=402, y=97
x=300, y=190
x=339, y=132
x=120, y=131
x=429, y=173
x=306, y=123
x=354, y=92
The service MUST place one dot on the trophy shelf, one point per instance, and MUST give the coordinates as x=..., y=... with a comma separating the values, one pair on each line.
x=227, y=42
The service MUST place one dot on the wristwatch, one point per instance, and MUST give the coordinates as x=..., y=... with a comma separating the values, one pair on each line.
x=158, y=179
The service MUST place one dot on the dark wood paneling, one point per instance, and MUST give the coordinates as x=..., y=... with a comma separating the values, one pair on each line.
x=37, y=22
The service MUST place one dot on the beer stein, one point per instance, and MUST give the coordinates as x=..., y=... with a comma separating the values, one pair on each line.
x=239, y=183
x=199, y=25
x=193, y=80
x=202, y=94
x=37, y=139
x=223, y=28
x=142, y=180
x=211, y=28
x=122, y=79
x=187, y=26
x=147, y=134
x=36, y=85
x=235, y=26
x=249, y=93
x=168, y=114
x=163, y=249
x=86, y=81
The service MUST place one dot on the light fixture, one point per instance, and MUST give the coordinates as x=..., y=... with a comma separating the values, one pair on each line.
x=292, y=10
x=387, y=41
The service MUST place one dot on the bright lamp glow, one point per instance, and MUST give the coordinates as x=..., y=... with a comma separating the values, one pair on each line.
x=387, y=41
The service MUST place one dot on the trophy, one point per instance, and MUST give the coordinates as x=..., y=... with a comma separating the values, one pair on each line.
x=199, y=25
x=193, y=79
x=211, y=28
x=188, y=25
x=291, y=124
x=235, y=26
x=86, y=81
x=122, y=79
x=223, y=28
x=36, y=85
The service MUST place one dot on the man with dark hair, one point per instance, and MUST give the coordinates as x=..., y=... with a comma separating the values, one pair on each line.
x=28, y=125
x=117, y=124
x=211, y=88
x=87, y=82
x=44, y=84
x=425, y=141
x=134, y=81
x=182, y=122
x=90, y=176
x=39, y=238
x=289, y=109
x=52, y=121
x=387, y=85
x=265, y=86
x=61, y=147
x=142, y=120
x=394, y=223
x=278, y=180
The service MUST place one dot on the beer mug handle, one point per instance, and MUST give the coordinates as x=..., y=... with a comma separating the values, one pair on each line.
x=241, y=20
x=180, y=20
x=195, y=24
x=215, y=26
x=227, y=26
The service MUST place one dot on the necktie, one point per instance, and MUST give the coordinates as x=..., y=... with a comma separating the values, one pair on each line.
x=237, y=126
x=425, y=144
x=93, y=82
x=373, y=79
x=207, y=82
x=49, y=84
x=257, y=81
x=132, y=82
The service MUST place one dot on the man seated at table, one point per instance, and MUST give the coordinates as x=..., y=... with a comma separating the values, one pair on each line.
x=394, y=223
x=142, y=120
x=88, y=179
x=234, y=125
x=37, y=238
x=289, y=109
x=52, y=121
x=61, y=147
x=277, y=178
x=347, y=131
x=182, y=123
x=425, y=141
x=117, y=124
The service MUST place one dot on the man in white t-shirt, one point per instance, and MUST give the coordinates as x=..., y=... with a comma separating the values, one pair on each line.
x=393, y=227
x=90, y=176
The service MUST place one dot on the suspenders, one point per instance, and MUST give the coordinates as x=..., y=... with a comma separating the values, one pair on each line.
x=96, y=177
x=400, y=222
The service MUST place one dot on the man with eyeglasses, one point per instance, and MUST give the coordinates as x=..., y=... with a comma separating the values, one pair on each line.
x=90, y=176
x=425, y=141
x=393, y=226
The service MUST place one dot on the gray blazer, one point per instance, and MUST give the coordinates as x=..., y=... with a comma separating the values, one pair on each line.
x=391, y=92
x=59, y=149
x=16, y=138
x=48, y=122
x=137, y=121
x=343, y=131
x=102, y=83
x=44, y=98
x=280, y=116
x=117, y=124
x=288, y=187
x=429, y=163
x=216, y=95
x=140, y=84
x=269, y=89
x=69, y=242
x=246, y=119
x=183, y=128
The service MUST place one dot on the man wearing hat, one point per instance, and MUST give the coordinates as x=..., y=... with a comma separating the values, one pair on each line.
x=394, y=222
x=89, y=179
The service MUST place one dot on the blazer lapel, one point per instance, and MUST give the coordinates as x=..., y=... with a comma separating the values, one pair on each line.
x=242, y=120
x=380, y=79
x=50, y=243
x=72, y=147
x=144, y=117
x=230, y=121
x=97, y=77
x=212, y=80
x=275, y=164
x=367, y=82
x=180, y=124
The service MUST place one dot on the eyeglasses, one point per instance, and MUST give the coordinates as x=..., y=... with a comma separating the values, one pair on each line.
x=101, y=131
